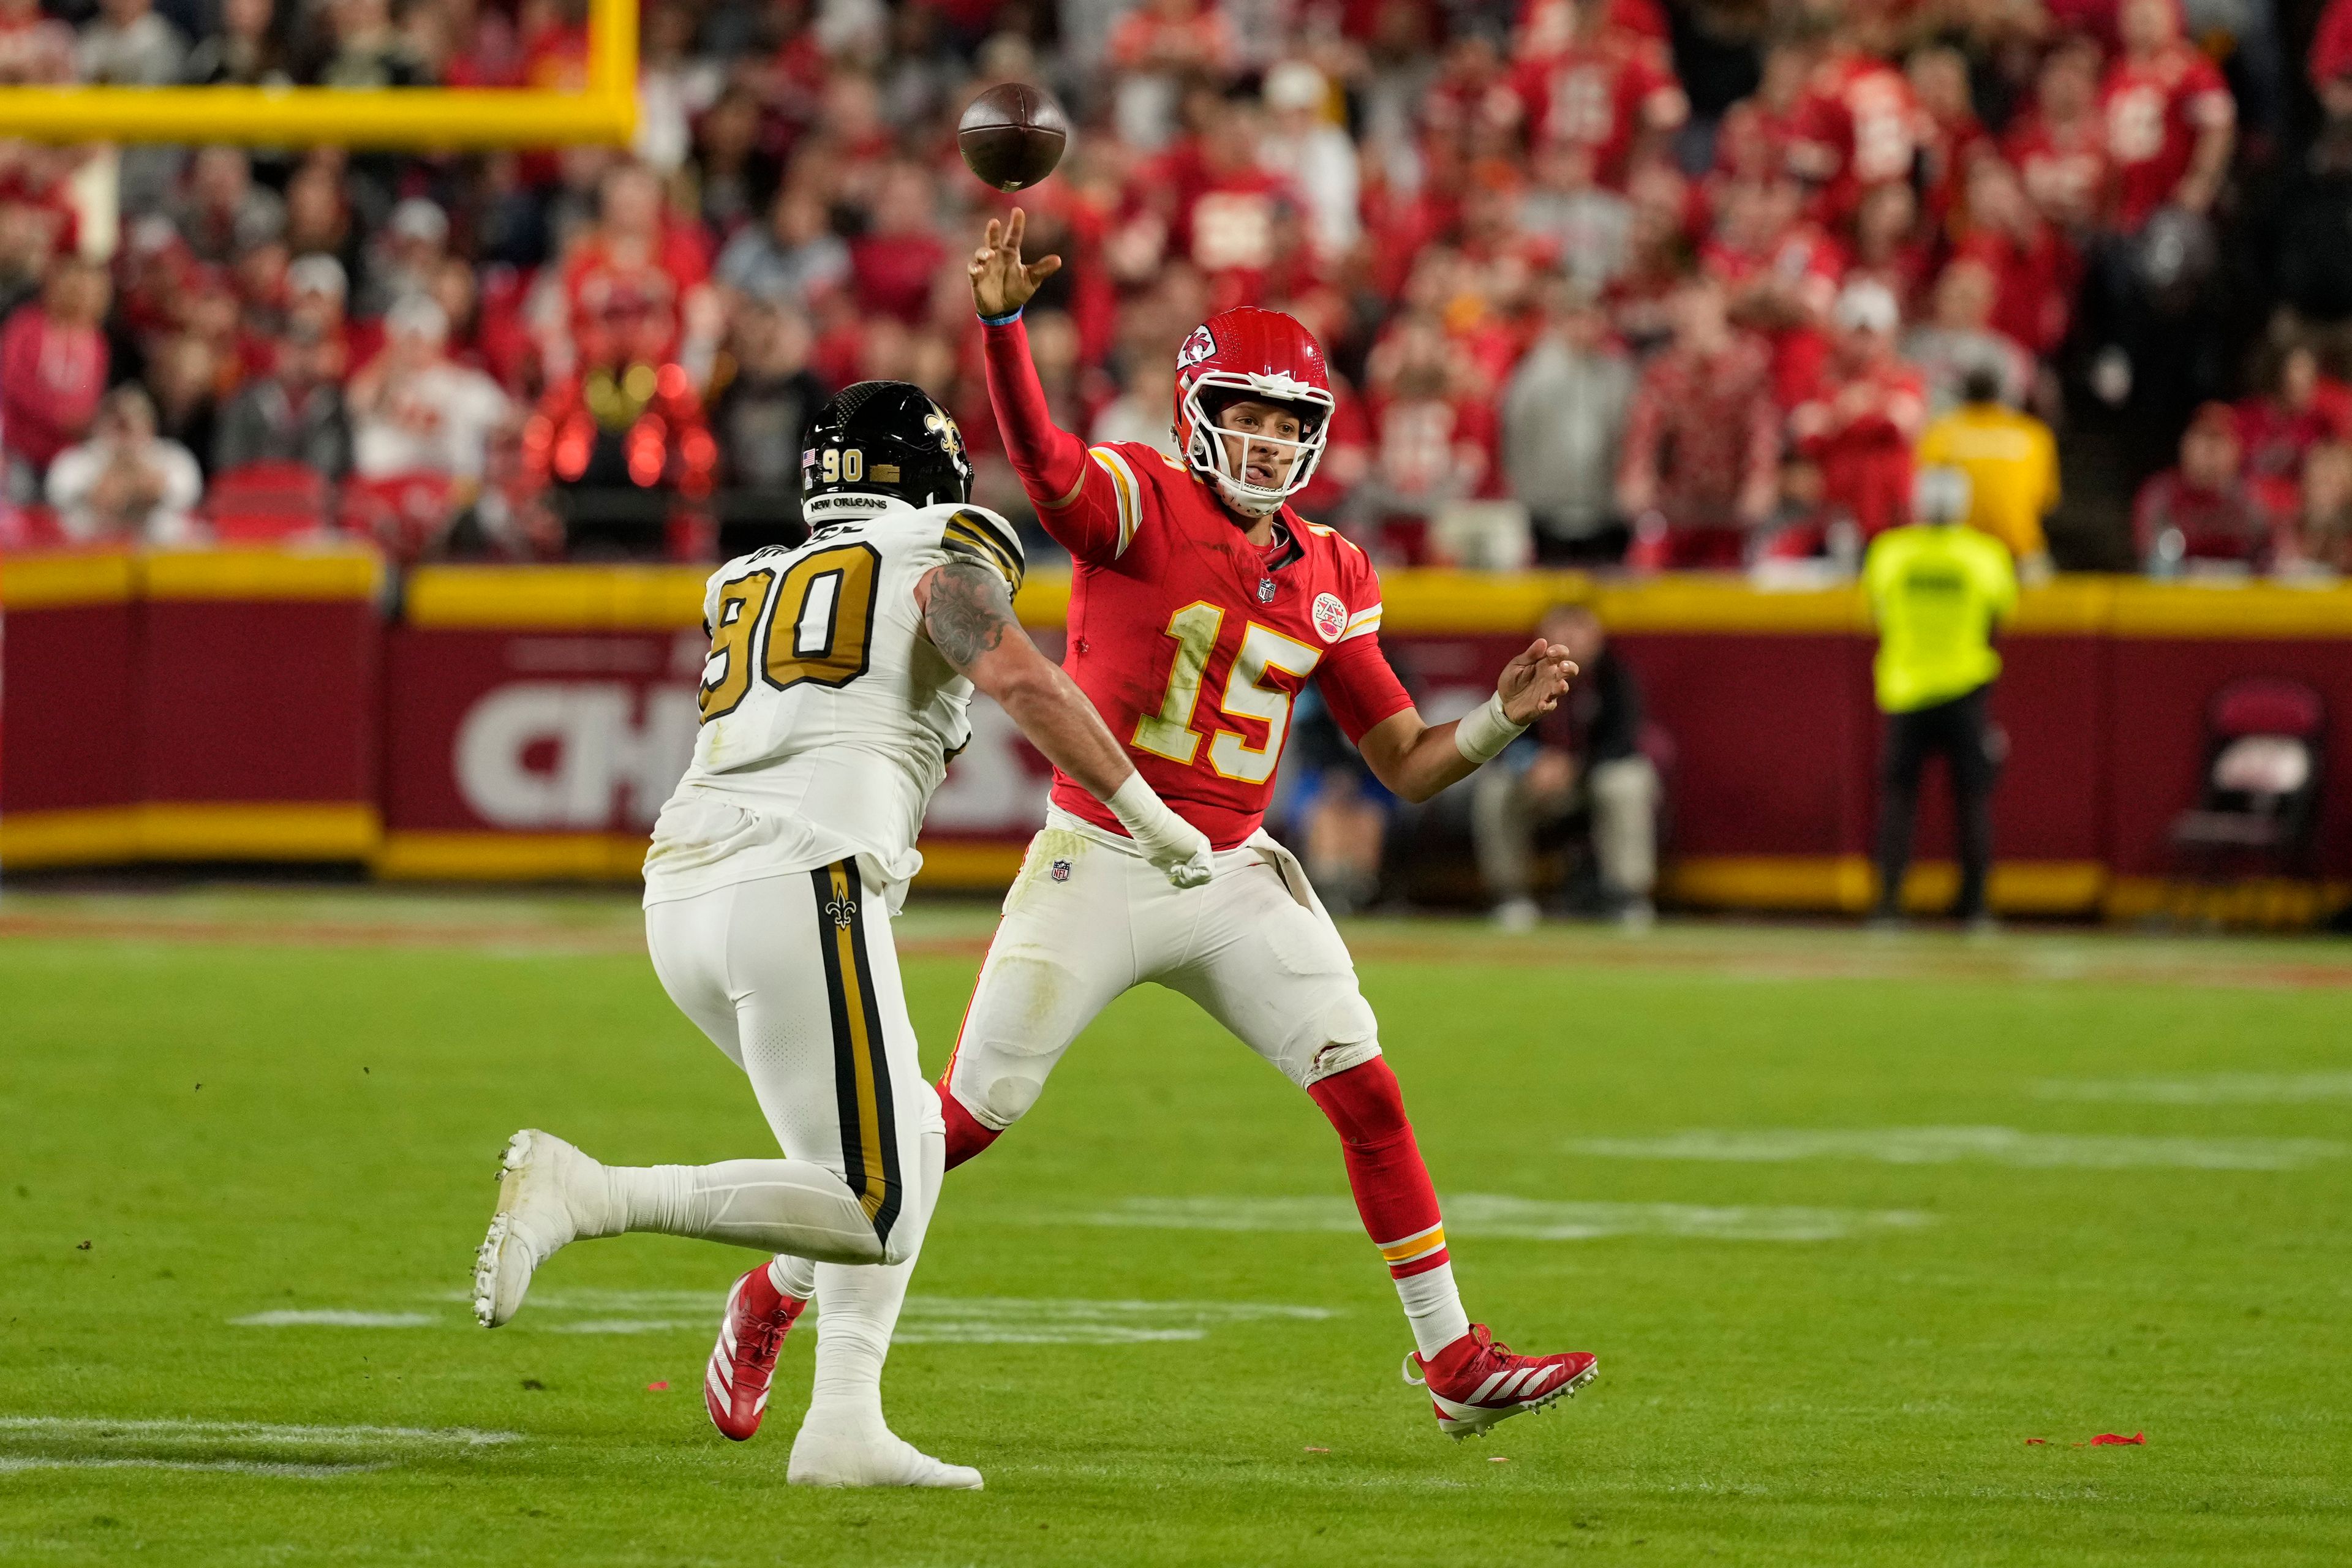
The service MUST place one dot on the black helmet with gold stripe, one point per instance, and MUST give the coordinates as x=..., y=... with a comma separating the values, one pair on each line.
x=887, y=438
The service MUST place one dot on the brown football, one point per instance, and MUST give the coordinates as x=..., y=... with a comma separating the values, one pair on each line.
x=1012, y=135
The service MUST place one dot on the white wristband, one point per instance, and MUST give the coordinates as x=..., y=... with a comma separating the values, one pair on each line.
x=1140, y=810
x=1482, y=735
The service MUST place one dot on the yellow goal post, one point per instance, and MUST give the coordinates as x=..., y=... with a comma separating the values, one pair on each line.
x=425, y=119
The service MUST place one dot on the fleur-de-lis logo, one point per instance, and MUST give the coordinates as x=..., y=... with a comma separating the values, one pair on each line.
x=843, y=910
x=942, y=423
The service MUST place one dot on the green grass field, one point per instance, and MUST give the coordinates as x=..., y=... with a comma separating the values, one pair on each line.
x=1849, y=1220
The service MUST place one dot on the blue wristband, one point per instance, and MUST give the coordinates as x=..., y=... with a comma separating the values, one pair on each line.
x=1000, y=320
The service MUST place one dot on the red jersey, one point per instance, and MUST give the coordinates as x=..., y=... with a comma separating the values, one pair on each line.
x=2064, y=167
x=51, y=378
x=1601, y=95
x=1755, y=140
x=2331, y=45
x=2155, y=110
x=1860, y=427
x=623, y=310
x=2215, y=525
x=1858, y=125
x=2035, y=281
x=2275, y=439
x=1190, y=641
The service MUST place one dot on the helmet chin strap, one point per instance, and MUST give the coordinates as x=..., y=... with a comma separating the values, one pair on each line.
x=1236, y=499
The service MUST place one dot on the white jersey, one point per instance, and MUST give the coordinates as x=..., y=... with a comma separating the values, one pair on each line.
x=828, y=717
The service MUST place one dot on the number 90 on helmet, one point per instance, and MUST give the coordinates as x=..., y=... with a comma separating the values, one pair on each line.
x=884, y=437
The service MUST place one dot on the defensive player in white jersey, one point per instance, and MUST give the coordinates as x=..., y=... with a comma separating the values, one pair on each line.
x=837, y=688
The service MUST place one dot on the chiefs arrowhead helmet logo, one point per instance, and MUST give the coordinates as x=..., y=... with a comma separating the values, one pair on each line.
x=1197, y=347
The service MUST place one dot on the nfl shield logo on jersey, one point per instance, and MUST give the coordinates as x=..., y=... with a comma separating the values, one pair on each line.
x=1331, y=616
x=1061, y=870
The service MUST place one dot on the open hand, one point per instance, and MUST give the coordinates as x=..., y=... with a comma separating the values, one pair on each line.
x=1533, y=683
x=1001, y=284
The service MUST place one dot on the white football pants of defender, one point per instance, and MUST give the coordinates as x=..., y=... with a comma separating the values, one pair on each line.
x=1089, y=918
x=796, y=979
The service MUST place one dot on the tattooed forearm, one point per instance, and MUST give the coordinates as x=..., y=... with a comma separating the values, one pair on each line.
x=970, y=613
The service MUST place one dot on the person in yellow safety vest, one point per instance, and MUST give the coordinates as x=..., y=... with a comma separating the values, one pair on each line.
x=2011, y=462
x=1936, y=591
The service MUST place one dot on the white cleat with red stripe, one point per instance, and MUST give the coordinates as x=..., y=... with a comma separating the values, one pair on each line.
x=751, y=1332
x=1475, y=1382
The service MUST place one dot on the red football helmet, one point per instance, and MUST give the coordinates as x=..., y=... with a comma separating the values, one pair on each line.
x=1250, y=353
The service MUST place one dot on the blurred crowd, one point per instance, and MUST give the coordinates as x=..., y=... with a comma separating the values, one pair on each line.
x=1657, y=283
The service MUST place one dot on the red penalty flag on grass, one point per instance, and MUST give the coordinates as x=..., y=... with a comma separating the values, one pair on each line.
x=2109, y=1440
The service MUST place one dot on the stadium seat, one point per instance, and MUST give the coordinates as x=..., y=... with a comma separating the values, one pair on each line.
x=2258, y=804
x=25, y=528
x=260, y=503
x=407, y=514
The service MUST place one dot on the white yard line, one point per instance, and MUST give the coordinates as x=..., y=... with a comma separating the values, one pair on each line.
x=251, y=1432
x=335, y=1317
x=11, y=1464
x=1955, y=1145
x=2209, y=1089
x=1500, y=1214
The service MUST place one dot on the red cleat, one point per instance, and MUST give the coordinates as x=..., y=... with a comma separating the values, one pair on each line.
x=735, y=1387
x=1475, y=1382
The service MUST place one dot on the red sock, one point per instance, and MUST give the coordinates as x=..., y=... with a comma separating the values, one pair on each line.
x=966, y=1135
x=1391, y=1185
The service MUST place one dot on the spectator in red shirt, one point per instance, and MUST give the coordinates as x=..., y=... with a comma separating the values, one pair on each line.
x=2036, y=272
x=627, y=286
x=1433, y=442
x=2170, y=119
x=892, y=263
x=1224, y=214
x=1758, y=132
x=2299, y=408
x=1602, y=89
x=2321, y=541
x=2331, y=60
x=1782, y=271
x=1702, y=439
x=53, y=367
x=2203, y=510
x=2060, y=144
x=1864, y=414
x=1858, y=126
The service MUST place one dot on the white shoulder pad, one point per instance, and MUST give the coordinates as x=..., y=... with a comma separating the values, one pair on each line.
x=978, y=535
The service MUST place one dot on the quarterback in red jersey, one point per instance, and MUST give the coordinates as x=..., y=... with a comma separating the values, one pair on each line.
x=1201, y=606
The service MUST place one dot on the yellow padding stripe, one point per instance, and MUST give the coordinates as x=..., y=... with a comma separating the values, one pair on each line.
x=1413, y=1246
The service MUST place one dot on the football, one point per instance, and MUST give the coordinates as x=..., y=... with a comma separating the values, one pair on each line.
x=1012, y=135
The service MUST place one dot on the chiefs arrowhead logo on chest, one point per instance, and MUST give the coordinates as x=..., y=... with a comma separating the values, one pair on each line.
x=1331, y=616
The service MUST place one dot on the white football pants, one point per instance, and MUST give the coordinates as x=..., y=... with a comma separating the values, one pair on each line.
x=795, y=977
x=1088, y=918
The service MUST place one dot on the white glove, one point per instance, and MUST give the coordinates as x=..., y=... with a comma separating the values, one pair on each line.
x=1178, y=849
